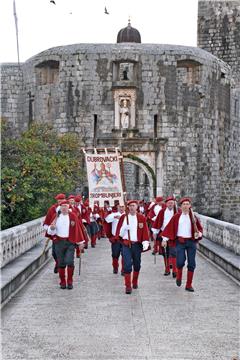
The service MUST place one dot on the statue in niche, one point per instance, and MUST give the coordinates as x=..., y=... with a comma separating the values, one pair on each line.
x=124, y=113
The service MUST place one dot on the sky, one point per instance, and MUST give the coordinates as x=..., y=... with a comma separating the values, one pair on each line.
x=42, y=24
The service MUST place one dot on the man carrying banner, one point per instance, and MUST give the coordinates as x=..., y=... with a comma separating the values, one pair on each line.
x=133, y=230
x=187, y=230
x=116, y=246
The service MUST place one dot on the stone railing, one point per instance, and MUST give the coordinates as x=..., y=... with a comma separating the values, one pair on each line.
x=18, y=239
x=221, y=232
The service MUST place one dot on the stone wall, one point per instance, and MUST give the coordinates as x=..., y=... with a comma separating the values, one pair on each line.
x=182, y=109
x=219, y=34
x=12, y=97
x=219, y=31
x=221, y=232
x=19, y=239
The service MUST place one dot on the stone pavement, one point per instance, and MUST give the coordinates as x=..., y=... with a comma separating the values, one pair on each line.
x=97, y=320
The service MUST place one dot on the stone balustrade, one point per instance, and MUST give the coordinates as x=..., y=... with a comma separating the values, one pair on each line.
x=18, y=239
x=222, y=233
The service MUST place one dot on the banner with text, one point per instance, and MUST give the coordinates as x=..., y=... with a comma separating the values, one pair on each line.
x=104, y=178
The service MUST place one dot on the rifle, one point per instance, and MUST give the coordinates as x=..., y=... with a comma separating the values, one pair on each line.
x=154, y=248
x=80, y=262
x=45, y=246
x=196, y=232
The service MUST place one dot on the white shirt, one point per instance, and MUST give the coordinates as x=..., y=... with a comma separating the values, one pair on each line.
x=156, y=210
x=184, y=226
x=111, y=219
x=141, y=209
x=133, y=223
x=80, y=208
x=62, y=227
x=168, y=214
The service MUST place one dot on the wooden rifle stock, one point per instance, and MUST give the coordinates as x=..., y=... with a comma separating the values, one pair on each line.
x=196, y=232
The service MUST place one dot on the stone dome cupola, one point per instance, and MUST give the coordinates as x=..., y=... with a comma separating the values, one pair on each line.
x=129, y=35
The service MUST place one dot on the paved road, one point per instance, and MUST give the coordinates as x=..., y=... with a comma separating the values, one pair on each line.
x=97, y=320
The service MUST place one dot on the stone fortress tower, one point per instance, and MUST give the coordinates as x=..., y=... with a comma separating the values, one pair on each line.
x=173, y=110
x=219, y=33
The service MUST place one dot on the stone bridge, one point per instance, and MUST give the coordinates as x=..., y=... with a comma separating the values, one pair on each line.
x=98, y=321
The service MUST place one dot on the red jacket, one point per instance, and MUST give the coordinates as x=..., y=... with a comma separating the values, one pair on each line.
x=171, y=229
x=142, y=230
x=75, y=232
x=157, y=224
x=50, y=213
x=151, y=214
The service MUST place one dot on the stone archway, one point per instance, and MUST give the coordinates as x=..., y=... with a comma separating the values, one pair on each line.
x=139, y=179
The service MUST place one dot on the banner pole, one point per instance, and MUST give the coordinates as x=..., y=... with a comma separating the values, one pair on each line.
x=124, y=193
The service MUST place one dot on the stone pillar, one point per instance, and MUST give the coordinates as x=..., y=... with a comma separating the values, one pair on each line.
x=117, y=114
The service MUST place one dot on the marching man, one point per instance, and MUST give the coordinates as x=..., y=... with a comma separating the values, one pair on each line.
x=113, y=219
x=163, y=218
x=152, y=215
x=52, y=211
x=133, y=230
x=67, y=234
x=187, y=230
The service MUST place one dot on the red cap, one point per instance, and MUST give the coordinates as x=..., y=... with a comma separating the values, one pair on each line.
x=185, y=199
x=132, y=202
x=71, y=197
x=64, y=202
x=159, y=199
x=78, y=198
x=169, y=198
x=60, y=197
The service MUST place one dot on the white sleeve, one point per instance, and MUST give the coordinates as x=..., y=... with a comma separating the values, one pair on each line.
x=45, y=226
x=109, y=218
x=51, y=232
x=155, y=231
x=165, y=238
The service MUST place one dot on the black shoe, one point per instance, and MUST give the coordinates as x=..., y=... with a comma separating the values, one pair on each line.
x=174, y=275
x=128, y=290
x=179, y=282
x=93, y=246
x=70, y=286
x=115, y=271
x=135, y=286
x=78, y=256
x=86, y=247
x=191, y=289
x=166, y=273
x=55, y=270
x=63, y=286
x=153, y=253
x=122, y=273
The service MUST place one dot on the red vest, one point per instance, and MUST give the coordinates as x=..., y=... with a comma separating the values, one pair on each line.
x=142, y=228
x=75, y=232
x=171, y=229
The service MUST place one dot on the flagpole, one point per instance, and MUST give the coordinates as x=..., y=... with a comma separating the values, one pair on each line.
x=16, y=28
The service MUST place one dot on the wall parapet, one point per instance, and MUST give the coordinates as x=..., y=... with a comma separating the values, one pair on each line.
x=18, y=239
x=221, y=232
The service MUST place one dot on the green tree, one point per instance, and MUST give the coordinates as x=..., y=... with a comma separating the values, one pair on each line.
x=35, y=167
